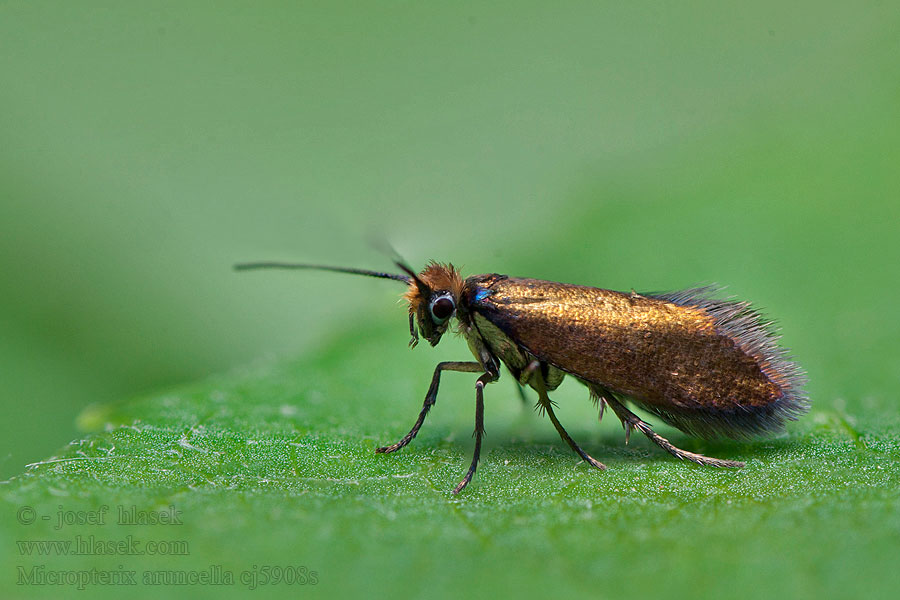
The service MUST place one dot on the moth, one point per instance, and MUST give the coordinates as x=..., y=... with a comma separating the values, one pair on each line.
x=710, y=367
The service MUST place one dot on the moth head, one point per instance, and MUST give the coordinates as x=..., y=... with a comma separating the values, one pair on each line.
x=433, y=297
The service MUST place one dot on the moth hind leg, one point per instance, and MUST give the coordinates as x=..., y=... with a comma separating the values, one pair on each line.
x=599, y=403
x=632, y=421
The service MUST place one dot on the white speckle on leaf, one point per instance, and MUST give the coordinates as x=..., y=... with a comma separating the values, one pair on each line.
x=184, y=443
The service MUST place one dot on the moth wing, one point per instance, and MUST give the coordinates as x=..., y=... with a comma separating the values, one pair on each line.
x=709, y=367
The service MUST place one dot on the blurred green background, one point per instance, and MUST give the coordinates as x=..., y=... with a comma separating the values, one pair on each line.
x=145, y=147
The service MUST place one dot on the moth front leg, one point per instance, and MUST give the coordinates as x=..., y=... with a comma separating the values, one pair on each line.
x=431, y=398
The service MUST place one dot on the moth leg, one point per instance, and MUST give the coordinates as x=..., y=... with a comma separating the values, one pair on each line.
x=431, y=398
x=632, y=421
x=599, y=403
x=413, y=332
x=519, y=387
x=546, y=404
x=479, y=429
x=521, y=390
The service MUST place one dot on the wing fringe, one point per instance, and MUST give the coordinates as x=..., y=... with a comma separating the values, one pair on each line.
x=758, y=337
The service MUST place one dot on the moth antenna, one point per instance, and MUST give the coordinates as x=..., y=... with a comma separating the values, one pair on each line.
x=281, y=265
x=423, y=287
x=381, y=244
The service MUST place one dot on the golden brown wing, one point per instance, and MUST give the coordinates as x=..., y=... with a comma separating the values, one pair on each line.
x=710, y=367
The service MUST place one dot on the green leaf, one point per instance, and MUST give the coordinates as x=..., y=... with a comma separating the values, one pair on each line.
x=275, y=466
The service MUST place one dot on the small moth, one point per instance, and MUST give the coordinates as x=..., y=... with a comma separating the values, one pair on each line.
x=709, y=367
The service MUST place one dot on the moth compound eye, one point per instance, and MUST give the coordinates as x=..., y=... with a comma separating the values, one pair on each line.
x=441, y=309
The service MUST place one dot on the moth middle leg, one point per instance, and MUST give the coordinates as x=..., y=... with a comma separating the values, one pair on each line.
x=546, y=405
x=632, y=421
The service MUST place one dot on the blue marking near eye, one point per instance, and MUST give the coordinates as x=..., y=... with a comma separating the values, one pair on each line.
x=481, y=294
